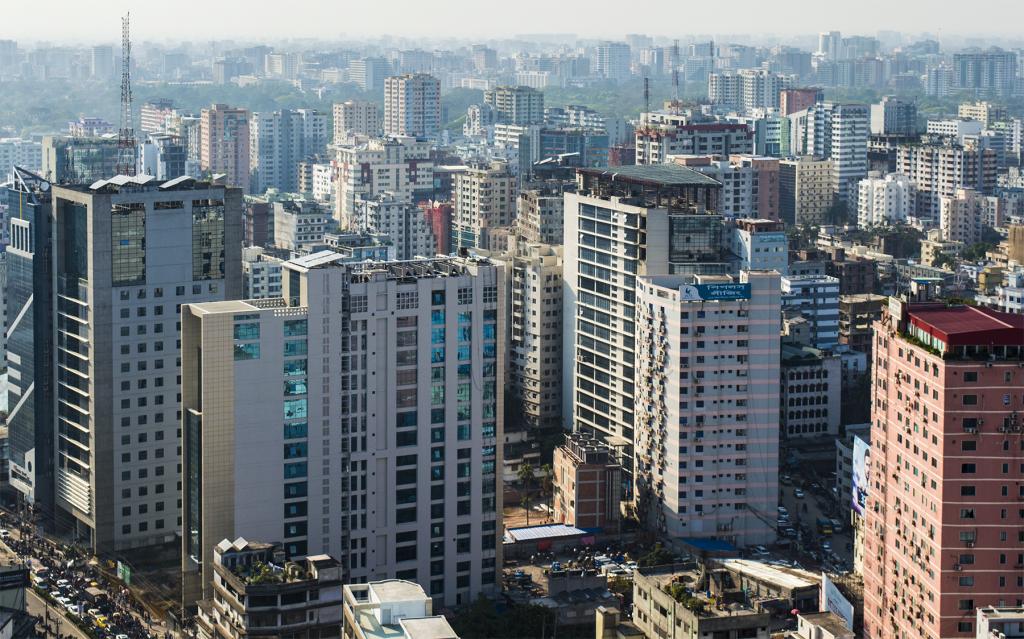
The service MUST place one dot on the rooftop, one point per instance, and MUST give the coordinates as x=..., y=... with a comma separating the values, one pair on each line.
x=828, y=621
x=428, y=628
x=396, y=590
x=968, y=325
x=782, y=576
x=531, y=533
x=655, y=174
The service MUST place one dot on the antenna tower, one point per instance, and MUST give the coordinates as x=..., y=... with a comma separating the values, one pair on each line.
x=647, y=94
x=675, y=70
x=126, y=153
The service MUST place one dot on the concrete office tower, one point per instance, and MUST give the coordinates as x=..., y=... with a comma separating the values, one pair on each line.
x=127, y=251
x=485, y=200
x=986, y=73
x=830, y=44
x=707, y=405
x=165, y=157
x=155, y=115
x=761, y=245
x=541, y=212
x=101, y=62
x=964, y=216
x=405, y=225
x=944, y=534
x=805, y=190
x=358, y=416
x=224, y=143
x=954, y=129
x=369, y=73
x=516, y=105
x=794, y=100
x=613, y=60
x=656, y=141
x=816, y=299
x=885, y=201
x=29, y=333
x=983, y=111
x=68, y=160
x=746, y=89
x=355, y=117
x=893, y=116
x=811, y=390
x=278, y=142
x=940, y=169
x=399, y=166
x=839, y=132
x=605, y=250
x=750, y=184
x=412, y=105
x=534, y=272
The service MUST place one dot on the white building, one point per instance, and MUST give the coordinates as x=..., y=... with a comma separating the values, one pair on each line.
x=954, y=128
x=838, y=132
x=746, y=89
x=940, y=169
x=893, y=116
x=400, y=166
x=816, y=298
x=261, y=274
x=1000, y=623
x=412, y=105
x=128, y=251
x=885, y=201
x=761, y=245
x=19, y=152
x=358, y=416
x=355, y=117
x=1008, y=296
x=964, y=216
x=391, y=609
x=707, y=405
x=299, y=225
x=404, y=224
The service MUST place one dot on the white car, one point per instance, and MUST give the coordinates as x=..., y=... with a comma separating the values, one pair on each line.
x=783, y=512
x=799, y=494
x=4, y=533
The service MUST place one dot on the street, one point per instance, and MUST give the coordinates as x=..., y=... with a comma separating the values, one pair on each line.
x=55, y=624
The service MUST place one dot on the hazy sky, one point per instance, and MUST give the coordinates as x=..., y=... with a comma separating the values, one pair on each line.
x=97, y=20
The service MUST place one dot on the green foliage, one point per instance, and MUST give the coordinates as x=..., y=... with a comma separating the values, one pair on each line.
x=261, y=573
x=681, y=594
x=481, y=620
x=656, y=557
x=942, y=260
x=625, y=99
x=976, y=252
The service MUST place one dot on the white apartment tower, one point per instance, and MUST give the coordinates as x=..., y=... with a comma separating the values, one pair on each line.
x=885, y=201
x=485, y=200
x=840, y=132
x=707, y=405
x=129, y=251
x=355, y=117
x=405, y=225
x=278, y=142
x=358, y=416
x=412, y=105
x=399, y=166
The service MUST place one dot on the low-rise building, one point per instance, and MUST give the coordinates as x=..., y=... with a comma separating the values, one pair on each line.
x=821, y=625
x=587, y=484
x=391, y=609
x=256, y=593
x=856, y=314
x=1000, y=623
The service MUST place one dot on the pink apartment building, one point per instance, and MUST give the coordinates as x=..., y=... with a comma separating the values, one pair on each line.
x=944, y=530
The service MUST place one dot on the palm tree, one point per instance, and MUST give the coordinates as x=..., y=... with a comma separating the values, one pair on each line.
x=525, y=475
x=547, y=477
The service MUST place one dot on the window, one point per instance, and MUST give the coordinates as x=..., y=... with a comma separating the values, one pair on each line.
x=970, y=400
x=295, y=347
x=128, y=244
x=437, y=298
x=248, y=331
x=295, y=328
x=207, y=240
x=967, y=469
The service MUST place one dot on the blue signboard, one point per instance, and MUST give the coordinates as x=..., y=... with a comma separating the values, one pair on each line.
x=714, y=292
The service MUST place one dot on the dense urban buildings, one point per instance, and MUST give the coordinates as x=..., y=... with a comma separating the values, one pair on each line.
x=412, y=105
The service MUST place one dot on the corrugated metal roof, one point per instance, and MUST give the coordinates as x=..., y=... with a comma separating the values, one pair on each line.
x=547, y=531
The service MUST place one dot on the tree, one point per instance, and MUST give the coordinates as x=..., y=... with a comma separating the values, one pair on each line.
x=525, y=475
x=547, y=486
x=658, y=556
x=943, y=260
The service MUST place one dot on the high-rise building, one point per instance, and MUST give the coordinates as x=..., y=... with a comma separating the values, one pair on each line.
x=893, y=116
x=165, y=157
x=156, y=115
x=830, y=44
x=985, y=112
x=224, y=143
x=811, y=383
x=127, y=251
x=29, y=330
x=656, y=141
x=750, y=184
x=101, y=62
x=707, y=405
x=964, y=216
x=373, y=386
x=516, y=105
x=78, y=160
x=943, y=535
x=940, y=169
x=299, y=224
x=986, y=73
x=369, y=73
x=613, y=60
x=838, y=132
x=761, y=245
x=794, y=100
x=401, y=167
x=805, y=190
x=816, y=299
x=355, y=117
x=404, y=223
x=885, y=201
x=412, y=105
x=26, y=154
x=278, y=142
x=484, y=200
x=746, y=89
x=604, y=253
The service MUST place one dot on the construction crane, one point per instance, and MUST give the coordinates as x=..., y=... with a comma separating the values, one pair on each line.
x=126, y=152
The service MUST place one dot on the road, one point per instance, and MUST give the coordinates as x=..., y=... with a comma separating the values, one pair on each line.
x=37, y=606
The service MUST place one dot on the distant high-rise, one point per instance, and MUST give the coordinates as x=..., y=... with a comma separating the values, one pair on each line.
x=746, y=89
x=838, y=132
x=101, y=62
x=986, y=73
x=516, y=105
x=355, y=117
x=369, y=73
x=830, y=44
x=78, y=160
x=278, y=142
x=155, y=115
x=793, y=100
x=412, y=105
x=613, y=60
x=893, y=116
x=224, y=143
x=940, y=169
x=126, y=252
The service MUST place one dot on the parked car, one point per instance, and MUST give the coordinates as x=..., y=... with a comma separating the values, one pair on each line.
x=799, y=494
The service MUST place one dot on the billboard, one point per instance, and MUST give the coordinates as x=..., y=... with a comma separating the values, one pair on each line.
x=833, y=601
x=124, y=573
x=859, y=476
x=711, y=292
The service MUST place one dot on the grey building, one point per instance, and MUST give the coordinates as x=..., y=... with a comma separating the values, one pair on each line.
x=127, y=252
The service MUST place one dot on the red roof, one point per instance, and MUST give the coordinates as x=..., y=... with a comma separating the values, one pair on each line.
x=969, y=325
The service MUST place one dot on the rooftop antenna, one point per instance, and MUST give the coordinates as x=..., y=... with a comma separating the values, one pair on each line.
x=126, y=154
x=675, y=71
x=647, y=94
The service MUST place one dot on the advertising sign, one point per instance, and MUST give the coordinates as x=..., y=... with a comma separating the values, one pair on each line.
x=833, y=601
x=713, y=292
x=860, y=474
